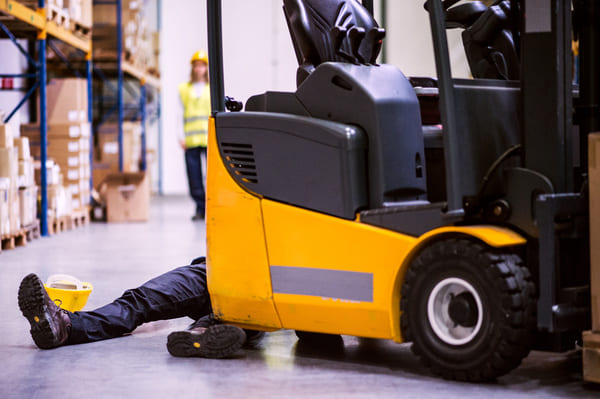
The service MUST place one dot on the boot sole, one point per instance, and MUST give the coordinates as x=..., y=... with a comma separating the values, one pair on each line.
x=218, y=341
x=31, y=303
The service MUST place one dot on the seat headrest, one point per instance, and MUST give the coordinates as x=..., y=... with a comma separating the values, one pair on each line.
x=332, y=30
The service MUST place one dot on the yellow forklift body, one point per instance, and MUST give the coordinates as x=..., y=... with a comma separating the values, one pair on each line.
x=272, y=265
x=237, y=263
x=333, y=275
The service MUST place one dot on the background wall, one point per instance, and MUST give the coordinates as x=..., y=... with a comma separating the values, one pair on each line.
x=258, y=56
x=409, y=43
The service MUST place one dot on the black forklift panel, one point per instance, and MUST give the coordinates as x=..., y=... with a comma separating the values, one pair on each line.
x=380, y=100
x=306, y=162
x=488, y=115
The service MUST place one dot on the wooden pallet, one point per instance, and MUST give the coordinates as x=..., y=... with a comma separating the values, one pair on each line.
x=58, y=16
x=33, y=230
x=13, y=240
x=79, y=218
x=57, y=225
x=82, y=31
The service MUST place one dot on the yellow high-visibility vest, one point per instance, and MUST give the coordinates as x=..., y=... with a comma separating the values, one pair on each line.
x=196, y=111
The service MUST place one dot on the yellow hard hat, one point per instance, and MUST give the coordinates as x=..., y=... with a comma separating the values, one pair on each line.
x=68, y=292
x=200, y=55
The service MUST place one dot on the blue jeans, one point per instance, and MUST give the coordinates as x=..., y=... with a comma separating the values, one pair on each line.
x=180, y=292
x=193, y=164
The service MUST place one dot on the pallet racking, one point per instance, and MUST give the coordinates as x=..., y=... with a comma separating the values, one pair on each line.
x=21, y=22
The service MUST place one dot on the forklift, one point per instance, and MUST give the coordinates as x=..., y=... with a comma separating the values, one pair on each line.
x=450, y=213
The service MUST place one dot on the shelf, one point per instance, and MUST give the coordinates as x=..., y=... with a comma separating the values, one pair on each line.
x=35, y=20
x=66, y=36
x=110, y=68
x=143, y=76
x=22, y=13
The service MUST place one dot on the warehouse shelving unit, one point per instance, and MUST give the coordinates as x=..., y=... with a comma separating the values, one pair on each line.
x=120, y=68
x=25, y=23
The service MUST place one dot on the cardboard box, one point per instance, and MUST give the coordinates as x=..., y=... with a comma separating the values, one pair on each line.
x=58, y=148
x=6, y=136
x=591, y=339
x=67, y=101
x=67, y=160
x=60, y=130
x=9, y=164
x=71, y=175
x=126, y=196
x=100, y=171
x=107, y=150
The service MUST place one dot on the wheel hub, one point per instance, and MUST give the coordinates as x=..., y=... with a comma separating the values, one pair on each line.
x=455, y=311
x=463, y=310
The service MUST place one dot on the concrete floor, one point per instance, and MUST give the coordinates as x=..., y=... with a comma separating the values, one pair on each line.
x=116, y=257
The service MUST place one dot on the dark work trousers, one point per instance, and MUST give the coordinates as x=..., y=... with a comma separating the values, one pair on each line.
x=180, y=292
x=193, y=163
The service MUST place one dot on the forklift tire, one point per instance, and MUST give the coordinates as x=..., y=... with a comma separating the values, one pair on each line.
x=469, y=310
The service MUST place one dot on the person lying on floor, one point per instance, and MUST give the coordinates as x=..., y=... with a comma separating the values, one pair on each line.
x=178, y=293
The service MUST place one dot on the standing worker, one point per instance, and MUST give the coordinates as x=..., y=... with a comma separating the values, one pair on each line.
x=195, y=98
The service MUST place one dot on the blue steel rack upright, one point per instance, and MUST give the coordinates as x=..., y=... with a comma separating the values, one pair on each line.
x=35, y=20
x=123, y=67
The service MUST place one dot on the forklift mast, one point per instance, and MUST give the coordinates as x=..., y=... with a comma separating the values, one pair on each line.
x=547, y=190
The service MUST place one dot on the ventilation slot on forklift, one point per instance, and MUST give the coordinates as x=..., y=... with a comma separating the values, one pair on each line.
x=240, y=158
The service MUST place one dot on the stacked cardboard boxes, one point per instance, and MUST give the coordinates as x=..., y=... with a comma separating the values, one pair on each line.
x=68, y=138
x=137, y=40
x=6, y=144
x=9, y=167
x=26, y=183
x=69, y=147
x=80, y=12
x=60, y=198
x=66, y=13
x=107, y=149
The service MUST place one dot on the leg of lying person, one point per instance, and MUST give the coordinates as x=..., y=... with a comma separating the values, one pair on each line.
x=180, y=292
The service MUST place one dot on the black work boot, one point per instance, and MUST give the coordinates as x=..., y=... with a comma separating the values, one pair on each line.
x=50, y=325
x=206, y=338
x=253, y=338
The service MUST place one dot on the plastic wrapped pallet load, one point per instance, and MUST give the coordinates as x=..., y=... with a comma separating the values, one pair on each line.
x=28, y=205
x=4, y=206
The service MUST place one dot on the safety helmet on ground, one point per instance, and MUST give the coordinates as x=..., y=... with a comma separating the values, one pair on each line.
x=200, y=55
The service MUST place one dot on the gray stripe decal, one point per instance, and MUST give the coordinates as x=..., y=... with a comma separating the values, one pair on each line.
x=193, y=132
x=195, y=118
x=339, y=284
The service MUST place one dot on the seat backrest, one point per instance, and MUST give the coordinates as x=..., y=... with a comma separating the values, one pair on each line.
x=322, y=31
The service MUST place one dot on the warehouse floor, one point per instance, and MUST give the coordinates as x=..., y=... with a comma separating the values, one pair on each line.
x=116, y=257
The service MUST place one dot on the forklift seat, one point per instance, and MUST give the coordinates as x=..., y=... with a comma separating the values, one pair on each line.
x=331, y=31
x=464, y=15
x=487, y=38
x=490, y=46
